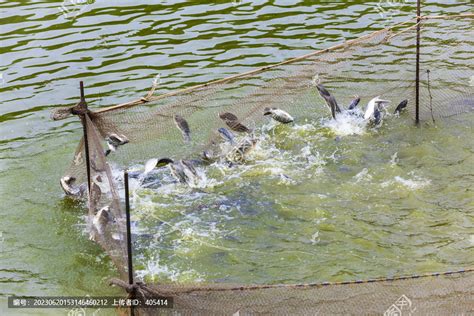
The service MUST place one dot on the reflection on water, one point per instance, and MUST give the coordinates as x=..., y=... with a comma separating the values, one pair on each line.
x=417, y=184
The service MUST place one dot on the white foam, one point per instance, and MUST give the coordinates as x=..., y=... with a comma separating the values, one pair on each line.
x=315, y=238
x=346, y=124
x=156, y=270
x=414, y=184
x=394, y=159
x=363, y=175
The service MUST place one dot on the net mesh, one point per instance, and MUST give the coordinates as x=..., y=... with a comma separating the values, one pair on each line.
x=451, y=294
x=381, y=63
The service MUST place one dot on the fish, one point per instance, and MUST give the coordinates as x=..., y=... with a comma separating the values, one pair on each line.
x=377, y=120
x=354, y=102
x=150, y=165
x=401, y=106
x=278, y=115
x=67, y=184
x=189, y=170
x=237, y=154
x=183, y=126
x=183, y=170
x=95, y=194
x=114, y=141
x=207, y=156
x=370, y=109
x=330, y=100
x=102, y=218
x=227, y=135
x=233, y=122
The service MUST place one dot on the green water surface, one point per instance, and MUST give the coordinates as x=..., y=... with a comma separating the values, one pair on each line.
x=328, y=228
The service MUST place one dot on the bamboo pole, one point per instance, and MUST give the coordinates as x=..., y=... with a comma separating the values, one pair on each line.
x=417, y=77
x=129, y=238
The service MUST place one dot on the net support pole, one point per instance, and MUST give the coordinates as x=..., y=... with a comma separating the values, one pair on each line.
x=86, y=140
x=129, y=237
x=417, y=89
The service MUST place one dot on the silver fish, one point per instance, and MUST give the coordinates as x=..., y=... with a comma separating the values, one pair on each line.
x=330, y=100
x=208, y=156
x=113, y=141
x=278, y=115
x=233, y=122
x=67, y=184
x=183, y=170
x=102, y=218
x=183, y=126
x=372, y=105
x=227, y=135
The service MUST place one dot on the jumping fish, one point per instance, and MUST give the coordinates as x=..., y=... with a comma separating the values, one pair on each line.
x=377, y=120
x=183, y=126
x=208, y=156
x=233, y=122
x=67, y=184
x=183, y=170
x=237, y=154
x=102, y=218
x=150, y=165
x=330, y=100
x=401, y=106
x=354, y=102
x=113, y=141
x=227, y=135
x=278, y=115
x=372, y=105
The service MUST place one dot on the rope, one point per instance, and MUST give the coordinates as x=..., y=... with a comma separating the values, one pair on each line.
x=136, y=290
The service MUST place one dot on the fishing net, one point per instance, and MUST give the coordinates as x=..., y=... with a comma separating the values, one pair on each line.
x=448, y=294
x=379, y=64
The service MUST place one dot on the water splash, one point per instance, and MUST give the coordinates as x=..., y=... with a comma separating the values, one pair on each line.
x=156, y=270
x=363, y=176
x=413, y=184
x=347, y=123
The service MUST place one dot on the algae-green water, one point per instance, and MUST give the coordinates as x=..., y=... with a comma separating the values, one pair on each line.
x=388, y=202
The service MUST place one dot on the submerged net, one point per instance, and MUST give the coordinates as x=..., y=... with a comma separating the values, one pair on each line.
x=450, y=293
x=381, y=63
